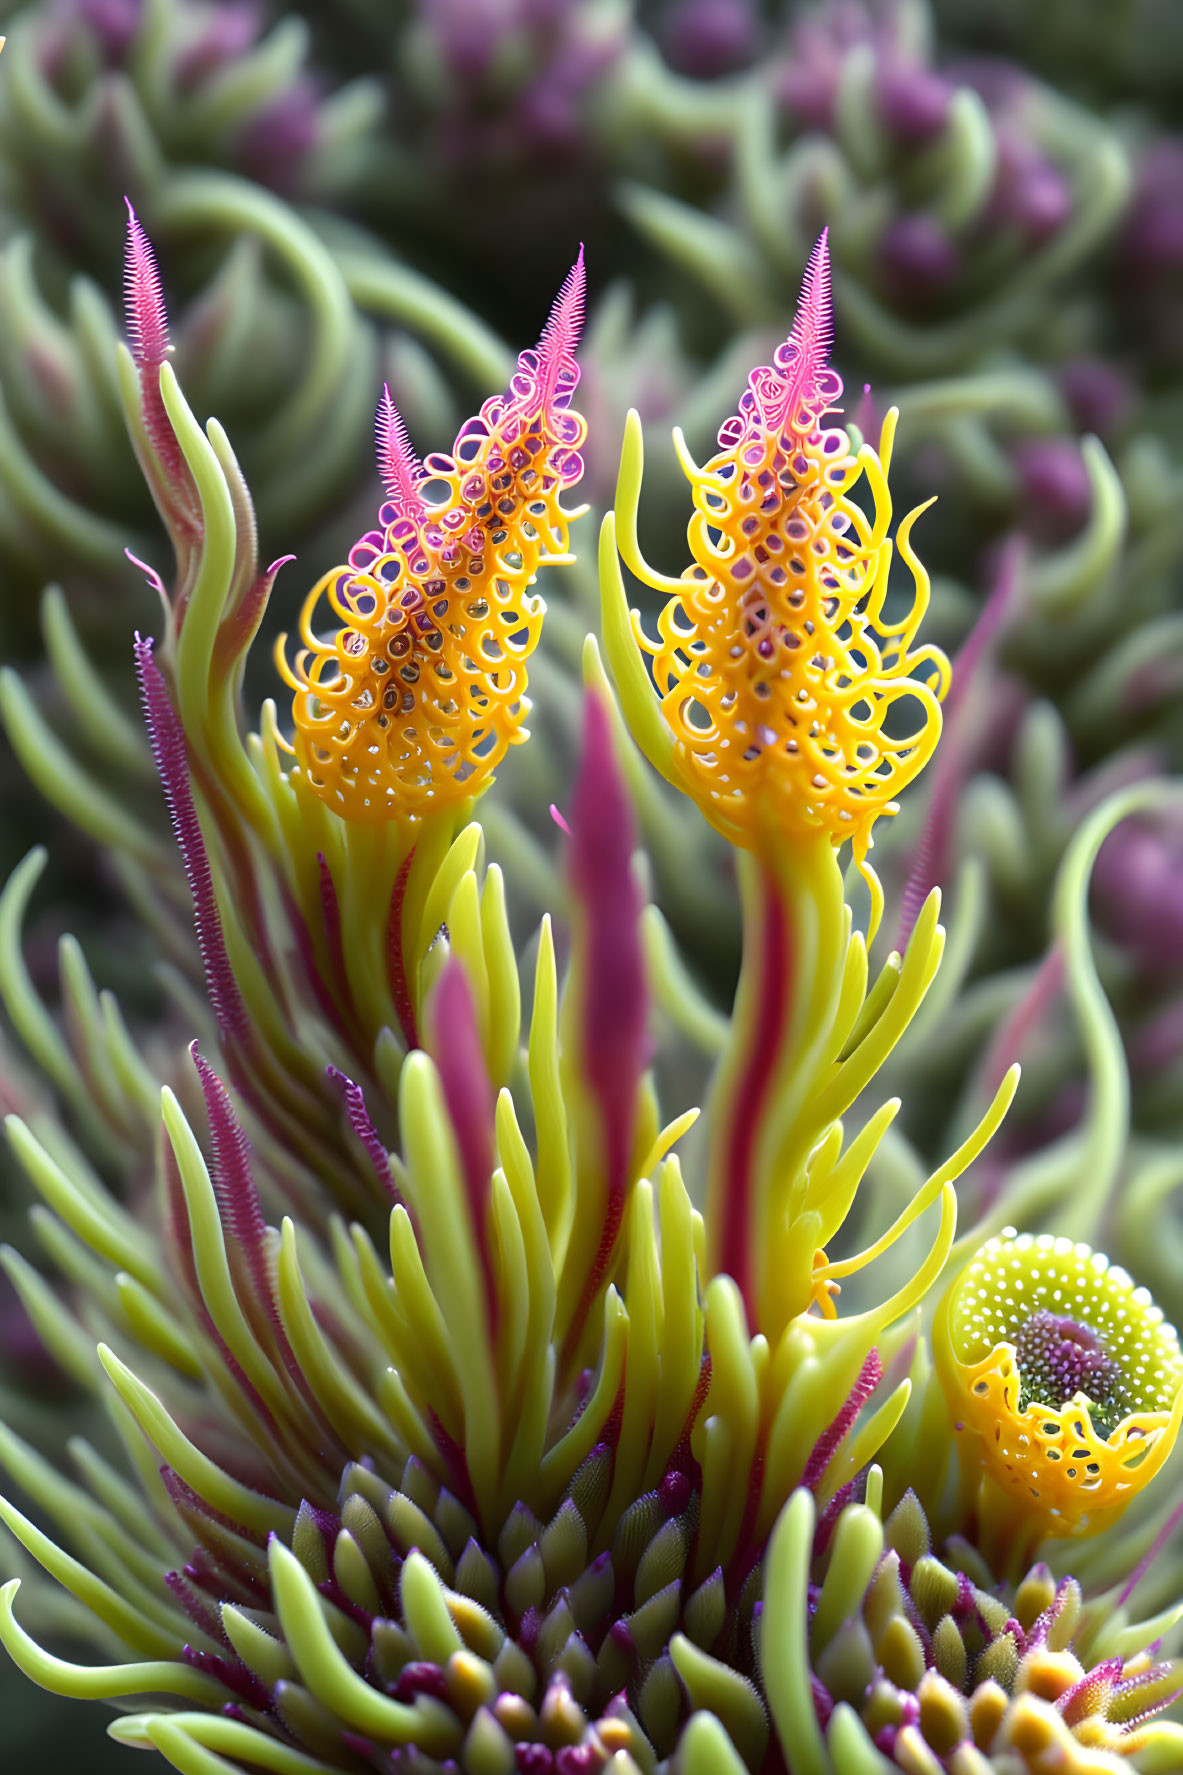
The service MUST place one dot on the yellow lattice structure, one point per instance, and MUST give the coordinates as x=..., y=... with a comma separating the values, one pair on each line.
x=790, y=687
x=411, y=703
x=1063, y=1376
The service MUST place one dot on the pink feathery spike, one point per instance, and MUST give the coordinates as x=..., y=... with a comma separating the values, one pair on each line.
x=560, y=335
x=813, y=328
x=147, y=330
x=398, y=464
x=147, y=322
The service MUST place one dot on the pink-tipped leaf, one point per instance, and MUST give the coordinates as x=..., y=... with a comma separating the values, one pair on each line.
x=147, y=321
x=147, y=331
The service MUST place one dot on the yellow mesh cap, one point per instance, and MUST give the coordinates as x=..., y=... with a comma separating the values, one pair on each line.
x=797, y=700
x=410, y=703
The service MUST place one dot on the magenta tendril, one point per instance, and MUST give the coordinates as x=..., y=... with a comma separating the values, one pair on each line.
x=359, y=1120
x=169, y=751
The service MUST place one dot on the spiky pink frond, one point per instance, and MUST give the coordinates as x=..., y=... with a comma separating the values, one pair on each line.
x=803, y=361
x=798, y=386
x=813, y=327
x=560, y=335
x=398, y=465
x=547, y=374
x=147, y=321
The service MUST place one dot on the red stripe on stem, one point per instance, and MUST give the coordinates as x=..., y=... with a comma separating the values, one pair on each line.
x=827, y=1443
x=611, y=971
x=395, y=959
x=772, y=967
x=615, y=1000
x=455, y=1047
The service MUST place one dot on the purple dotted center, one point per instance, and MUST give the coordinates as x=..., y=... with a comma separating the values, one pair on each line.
x=1059, y=1357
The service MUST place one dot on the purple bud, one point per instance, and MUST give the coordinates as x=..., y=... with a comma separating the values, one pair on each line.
x=674, y=1492
x=1138, y=891
x=229, y=32
x=578, y=1759
x=534, y=1759
x=147, y=320
x=278, y=138
x=112, y=25
x=913, y=101
x=420, y=1678
x=1159, y=1042
x=808, y=81
x=1098, y=394
x=549, y=118
x=467, y=33
x=918, y=255
x=1040, y=201
x=819, y=41
x=1153, y=239
x=1054, y=487
x=706, y=38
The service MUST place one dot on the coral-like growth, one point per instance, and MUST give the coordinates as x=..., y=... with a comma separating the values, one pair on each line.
x=1066, y=1383
x=795, y=702
x=456, y=1437
x=411, y=704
